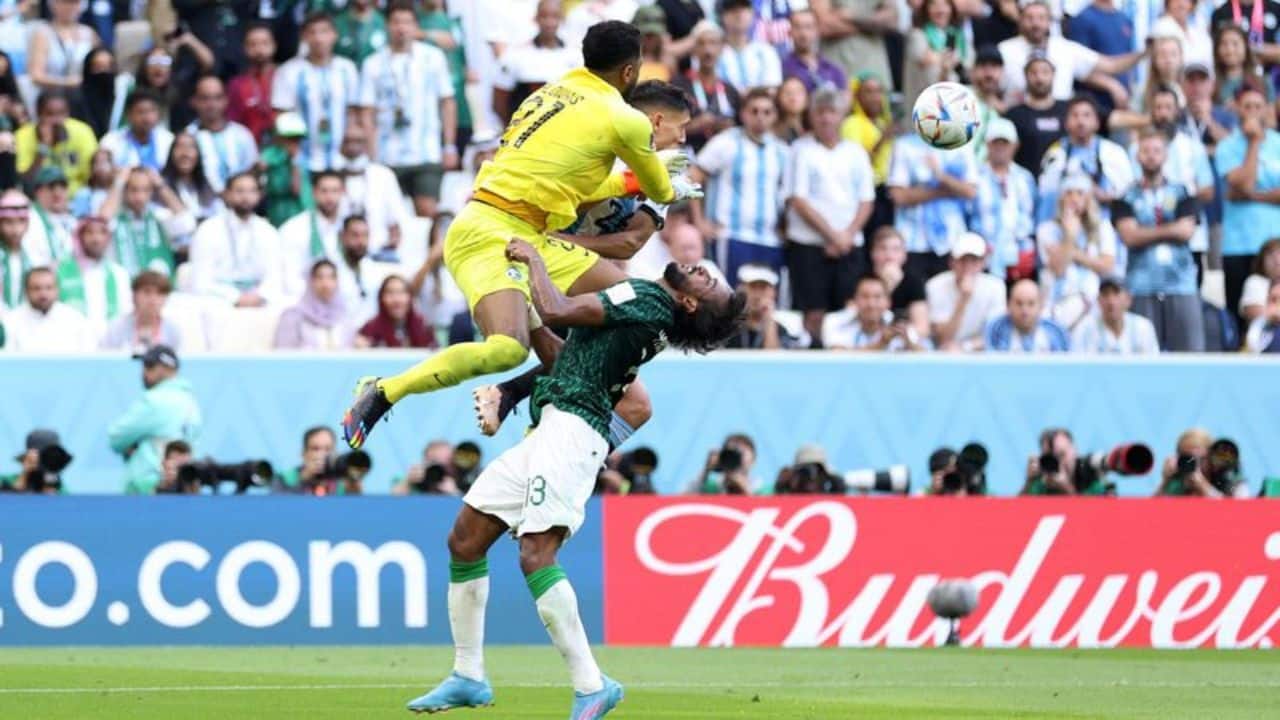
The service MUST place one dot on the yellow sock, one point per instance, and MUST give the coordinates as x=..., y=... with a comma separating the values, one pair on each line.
x=456, y=364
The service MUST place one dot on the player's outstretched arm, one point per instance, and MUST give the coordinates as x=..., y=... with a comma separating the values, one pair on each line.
x=621, y=245
x=552, y=305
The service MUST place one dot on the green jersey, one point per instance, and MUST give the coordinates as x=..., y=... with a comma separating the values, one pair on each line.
x=281, y=203
x=457, y=59
x=597, y=364
x=358, y=39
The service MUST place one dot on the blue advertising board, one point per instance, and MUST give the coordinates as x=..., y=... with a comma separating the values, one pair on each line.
x=260, y=570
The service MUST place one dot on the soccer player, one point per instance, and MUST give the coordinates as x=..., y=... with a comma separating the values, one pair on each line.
x=556, y=155
x=538, y=489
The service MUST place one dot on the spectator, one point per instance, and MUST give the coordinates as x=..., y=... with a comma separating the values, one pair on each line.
x=319, y=320
x=177, y=454
x=90, y=282
x=1236, y=65
x=829, y=199
x=716, y=102
x=56, y=53
x=398, y=323
x=682, y=16
x=146, y=326
x=155, y=73
x=1186, y=162
x=1040, y=117
x=362, y=31
x=931, y=190
x=249, y=93
x=1165, y=71
x=312, y=234
x=102, y=93
x=445, y=32
x=743, y=169
x=936, y=49
x=868, y=324
x=1004, y=212
x=1077, y=247
x=52, y=211
x=1186, y=473
x=285, y=174
x=527, y=67
x=235, y=255
x=1083, y=152
x=433, y=476
x=1253, y=196
x=1197, y=47
x=1263, y=335
x=1114, y=330
x=220, y=27
x=172, y=71
x=1022, y=329
x=871, y=126
x=32, y=477
x=358, y=274
x=962, y=299
x=584, y=15
x=226, y=147
x=1071, y=60
x=791, y=102
x=656, y=63
x=906, y=289
x=1156, y=219
x=373, y=191
x=18, y=253
x=1059, y=469
x=142, y=230
x=322, y=89
x=1208, y=123
x=89, y=198
x=167, y=411
x=1261, y=30
x=728, y=469
x=184, y=174
x=985, y=78
x=854, y=32
x=140, y=141
x=409, y=108
x=745, y=63
x=42, y=324
x=806, y=61
x=763, y=329
x=1106, y=30
x=55, y=140
x=1266, y=273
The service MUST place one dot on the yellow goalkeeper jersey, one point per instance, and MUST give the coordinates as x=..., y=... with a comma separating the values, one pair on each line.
x=559, y=150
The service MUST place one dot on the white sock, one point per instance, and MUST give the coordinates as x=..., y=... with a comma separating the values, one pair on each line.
x=558, y=608
x=466, y=619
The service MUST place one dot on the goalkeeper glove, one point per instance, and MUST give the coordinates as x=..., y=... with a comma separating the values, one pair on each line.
x=685, y=189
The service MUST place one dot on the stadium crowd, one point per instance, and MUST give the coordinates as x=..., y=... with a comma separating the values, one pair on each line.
x=240, y=176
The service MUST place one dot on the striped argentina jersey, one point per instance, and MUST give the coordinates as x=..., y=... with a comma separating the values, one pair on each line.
x=755, y=65
x=224, y=153
x=745, y=185
x=321, y=95
x=405, y=90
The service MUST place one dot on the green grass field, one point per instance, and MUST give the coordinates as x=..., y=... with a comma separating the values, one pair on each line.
x=364, y=682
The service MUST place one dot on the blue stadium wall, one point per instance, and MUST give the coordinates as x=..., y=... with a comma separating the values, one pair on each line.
x=867, y=411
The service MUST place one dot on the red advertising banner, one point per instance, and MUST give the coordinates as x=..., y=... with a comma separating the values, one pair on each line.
x=812, y=571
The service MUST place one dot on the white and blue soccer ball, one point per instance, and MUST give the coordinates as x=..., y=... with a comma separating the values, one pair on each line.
x=946, y=115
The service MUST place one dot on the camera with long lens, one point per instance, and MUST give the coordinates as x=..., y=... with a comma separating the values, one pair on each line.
x=893, y=479
x=1222, y=466
x=1127, y=459
x=728, y=459
x=638, y=467
x=52, y=460
x=970, y=473
x=811, y=478
x=241, y=475
x=343, y=466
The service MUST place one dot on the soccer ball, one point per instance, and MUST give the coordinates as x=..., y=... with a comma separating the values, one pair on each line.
x=946, y=115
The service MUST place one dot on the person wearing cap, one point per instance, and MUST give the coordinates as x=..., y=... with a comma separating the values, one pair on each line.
x=29, y=477
x=1077, y=247
x=985, y=77
x=765, y=328
x=829, y=199
x=167, y=411
x=235, y=255
x=1022, y=329
x=147, y=325
x=1004, y=211
x=51, y=219
x=406, y=96
x=1113, y=330
x=1204, y=118
x=745, y=63
x=809, y=474
x=1040, y=116
x=853, y=35
x=142, y=141
x=90, y=281
x=656, y=60
x=55, y=140
x=249, y=93
x=226, y=146
x=526, y=67
x=962, y=299
x=322, y=89
x=805, y=60
x=715, y=101
x=1082, y=151
x=286, y=179
x=145, y=215
x=1071, y=61
x=1244, y=161
x=42, y=324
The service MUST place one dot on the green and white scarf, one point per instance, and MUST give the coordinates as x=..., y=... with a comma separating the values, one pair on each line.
x=13, y=290
x=71, y=287
x=147, y=250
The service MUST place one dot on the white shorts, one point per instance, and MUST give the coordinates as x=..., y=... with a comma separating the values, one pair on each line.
x=546, y=480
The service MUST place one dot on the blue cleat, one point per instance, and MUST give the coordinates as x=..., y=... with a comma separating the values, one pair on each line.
x=369, y=407
x=599, y=703
x=455, y=692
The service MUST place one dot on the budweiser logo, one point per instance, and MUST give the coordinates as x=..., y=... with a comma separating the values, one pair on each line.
x=806, y=573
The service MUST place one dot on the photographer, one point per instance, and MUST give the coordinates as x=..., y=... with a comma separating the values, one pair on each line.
x=628, y=473
x=176, y=455
x=42, y=461
x=166, y=411
x=960, y=474
x=1201, y=467
x=322, y=473
x=728, y=470
x=433, y=476
x=809, y=475
x=1059, y=469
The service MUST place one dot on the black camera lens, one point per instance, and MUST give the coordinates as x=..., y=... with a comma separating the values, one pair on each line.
x=1187, y=464
x=1049, y=463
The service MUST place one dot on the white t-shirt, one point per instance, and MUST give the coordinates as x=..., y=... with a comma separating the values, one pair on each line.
x=1071, y=61
x=1138, y=337
x=1255, y=291
x=321, y=94
x=61, y=330
x=374, y=193
x=405, y=90
x=230, y=256
x=835, y=181
x=529, y=64
x=987, y=302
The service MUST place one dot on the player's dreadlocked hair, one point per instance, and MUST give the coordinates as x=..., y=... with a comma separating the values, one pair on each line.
x=709, y=326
